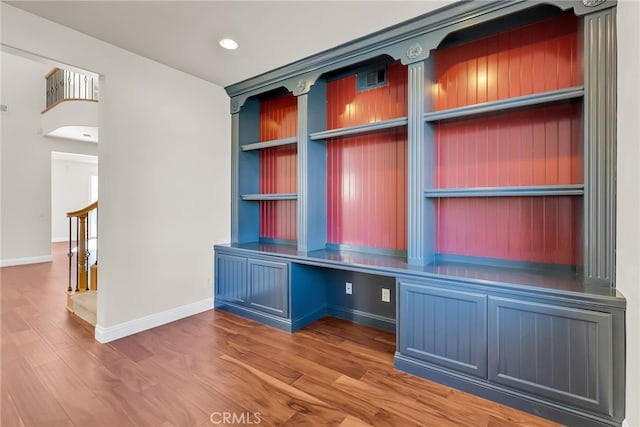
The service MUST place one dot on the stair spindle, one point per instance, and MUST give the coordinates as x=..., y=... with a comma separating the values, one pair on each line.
x=97, y=218
x=77, y=239
x=70, y=256
x=87, y=254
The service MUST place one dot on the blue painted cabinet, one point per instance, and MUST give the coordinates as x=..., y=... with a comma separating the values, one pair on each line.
x=269, y=286
x=515, y=347
x=255, y=283
x=231, y=278
x=556, y=352
x=443, y=327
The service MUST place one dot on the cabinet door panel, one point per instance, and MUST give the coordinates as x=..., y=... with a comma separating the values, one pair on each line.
x=269, y=286
x=231, y=278
x=444, y=327
x=556, y=352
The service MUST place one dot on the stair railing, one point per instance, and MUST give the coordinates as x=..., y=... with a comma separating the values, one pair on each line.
x=65, y=85
x=83, y=253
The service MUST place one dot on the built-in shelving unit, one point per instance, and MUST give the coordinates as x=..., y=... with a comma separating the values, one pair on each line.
x=527, y=147
x=269, y=191
x=366, y=162
x=463, y=162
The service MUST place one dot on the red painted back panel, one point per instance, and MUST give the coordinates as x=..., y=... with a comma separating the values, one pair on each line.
x=532, y=147
x=367, y=190
x=539, y=57
x=279, y=219
x=367, y=174
x=279, y=118
x=531, y=229
x=347, y=107
x=278, y=167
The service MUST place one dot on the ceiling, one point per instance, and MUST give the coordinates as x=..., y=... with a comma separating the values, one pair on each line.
x=185, y=34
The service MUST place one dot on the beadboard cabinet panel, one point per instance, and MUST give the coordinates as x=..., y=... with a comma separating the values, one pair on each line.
x=553, y=351
x=444, y=327
x=269, y=286
x=231, y=278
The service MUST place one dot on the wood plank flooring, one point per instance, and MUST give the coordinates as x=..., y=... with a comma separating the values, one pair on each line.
x=210, y=369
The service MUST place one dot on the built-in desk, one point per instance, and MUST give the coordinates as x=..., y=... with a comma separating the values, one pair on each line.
x=540, y=340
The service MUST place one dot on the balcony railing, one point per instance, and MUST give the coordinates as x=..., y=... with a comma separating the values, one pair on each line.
x=68, y=85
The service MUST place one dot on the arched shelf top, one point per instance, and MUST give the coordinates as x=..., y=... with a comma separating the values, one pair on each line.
x=274, y=91
x=410, y=42
x=485, y=28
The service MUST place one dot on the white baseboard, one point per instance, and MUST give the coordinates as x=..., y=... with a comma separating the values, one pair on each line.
x=59, y=239
x=27, y=260
x=111, y=333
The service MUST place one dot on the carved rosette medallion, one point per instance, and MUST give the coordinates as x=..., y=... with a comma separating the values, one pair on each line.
x=234, y=106
x=301, y=86
x=414, y=51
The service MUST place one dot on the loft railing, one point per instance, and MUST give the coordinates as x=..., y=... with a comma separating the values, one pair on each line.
x=65, y=85
x=83, y=253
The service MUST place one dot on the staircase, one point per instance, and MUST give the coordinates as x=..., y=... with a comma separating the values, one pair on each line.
x=81, y=299
x=84, y=305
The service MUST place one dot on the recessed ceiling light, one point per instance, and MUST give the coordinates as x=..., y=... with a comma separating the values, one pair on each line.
x=228, y=44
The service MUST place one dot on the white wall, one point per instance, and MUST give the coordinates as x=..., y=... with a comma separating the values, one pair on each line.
x=628, y=222
x=70, y=191
x=164, y=171
x=26, y=162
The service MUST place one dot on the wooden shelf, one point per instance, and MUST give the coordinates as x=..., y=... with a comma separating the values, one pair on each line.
x=279, y=196
x=506, y=104
x=354, y=130
x=532, y=190
x=268, y=144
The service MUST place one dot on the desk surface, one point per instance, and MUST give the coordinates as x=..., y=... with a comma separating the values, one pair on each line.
x=503, y=277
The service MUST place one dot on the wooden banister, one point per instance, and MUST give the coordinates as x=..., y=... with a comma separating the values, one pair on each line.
x=84, y=211
x=51, y=73
x=82, y=238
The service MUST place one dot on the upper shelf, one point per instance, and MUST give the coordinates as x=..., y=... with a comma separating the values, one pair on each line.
x=506, y=104
x=273, y=196
x=353, y=130
x=531, y=190
x=267, y=144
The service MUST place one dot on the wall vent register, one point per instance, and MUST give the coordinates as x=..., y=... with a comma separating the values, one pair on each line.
x=372, y=78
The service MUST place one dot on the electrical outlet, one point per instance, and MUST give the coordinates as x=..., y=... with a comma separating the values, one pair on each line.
x=386, y=295
x=348, y=288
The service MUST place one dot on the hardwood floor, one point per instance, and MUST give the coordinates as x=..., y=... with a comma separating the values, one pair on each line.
x=209, y=369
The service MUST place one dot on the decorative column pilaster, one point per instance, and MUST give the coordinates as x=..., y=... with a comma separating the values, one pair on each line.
x=235, y=178
x=312, y=168
x=303, y=176
x=600, y=101
x=417, y=239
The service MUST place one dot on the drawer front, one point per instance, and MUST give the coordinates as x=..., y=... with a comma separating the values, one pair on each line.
x=269, y=286
x=556, y=352
x=231, y=278
x=444, y=327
